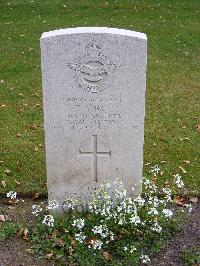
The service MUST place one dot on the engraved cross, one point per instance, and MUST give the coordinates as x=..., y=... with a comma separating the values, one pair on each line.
x=94, y=154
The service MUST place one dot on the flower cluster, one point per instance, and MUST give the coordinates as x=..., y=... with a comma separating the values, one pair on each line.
x=12, y=195
x=140, y=201
x=156, y=227
x=114, y=216
x=80, y=237
x=153, y=211
x=168, y=213
x=155, y=170
x=189, y=207
x=120, y=192
x=145, y=259
x=48, y=220
x=78, y=223
x=178, y=181
x=95, y=244
x=53, y=205
x=102, y=230
x=130, y=249
x=36, y=210
x=168, y=194
x=70, y=203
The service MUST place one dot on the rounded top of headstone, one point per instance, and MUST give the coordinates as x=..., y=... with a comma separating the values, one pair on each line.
x=94, y=30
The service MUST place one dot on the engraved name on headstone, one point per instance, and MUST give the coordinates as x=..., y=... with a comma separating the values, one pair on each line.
x=94, y=83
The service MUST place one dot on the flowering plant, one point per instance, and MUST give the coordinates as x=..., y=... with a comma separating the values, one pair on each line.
x=114, y=225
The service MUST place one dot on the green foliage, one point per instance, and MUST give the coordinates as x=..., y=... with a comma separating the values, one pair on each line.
x=114, y=229
x=61, y=243
x=40, y=235
x=192, y=256
x=7, y=229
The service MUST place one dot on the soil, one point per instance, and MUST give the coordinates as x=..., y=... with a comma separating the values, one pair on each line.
x=188, y=238
x=14, y=251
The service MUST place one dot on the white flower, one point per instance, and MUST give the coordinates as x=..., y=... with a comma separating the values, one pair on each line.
x=102, y=230
x=167, y=191
x=130, y=201
x=96, y=244
x=135, y=219
x=189, y=206
x=120, y=221
x=155, y=169
x=145, y=258
x=178, y=181
x=132, y=248
x=155, y=201
x=168, y=194
x=150, y=200
x=119, y=209
x=79, y=223
x=167, y=213
x=52, y=205
x=111, y=236
x=12, y=195
x=106, y=186
x=156, y=227
x=71, y=203
x=140, y=201
x=146, y=182
x=48, y=220
x=36, y=209
x=120, y=191
x=80, y=237
x=153, y=211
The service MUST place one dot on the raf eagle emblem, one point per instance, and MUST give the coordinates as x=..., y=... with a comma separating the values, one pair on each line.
x=93, y=71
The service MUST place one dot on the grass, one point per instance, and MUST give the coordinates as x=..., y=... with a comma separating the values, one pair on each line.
x=173, y=93
x=192, y=256
x=7, y=229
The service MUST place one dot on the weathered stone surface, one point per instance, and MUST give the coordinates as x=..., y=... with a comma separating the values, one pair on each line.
x=94, y=102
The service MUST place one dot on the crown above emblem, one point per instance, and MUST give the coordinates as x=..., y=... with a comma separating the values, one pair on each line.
x=93, y=47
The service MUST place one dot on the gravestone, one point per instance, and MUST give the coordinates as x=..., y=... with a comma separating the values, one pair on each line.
x=94, y=83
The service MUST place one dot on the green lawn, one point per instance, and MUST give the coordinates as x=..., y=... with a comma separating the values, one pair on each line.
x=173, y=93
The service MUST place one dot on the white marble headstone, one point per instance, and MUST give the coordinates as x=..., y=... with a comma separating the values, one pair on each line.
x=94, y=83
